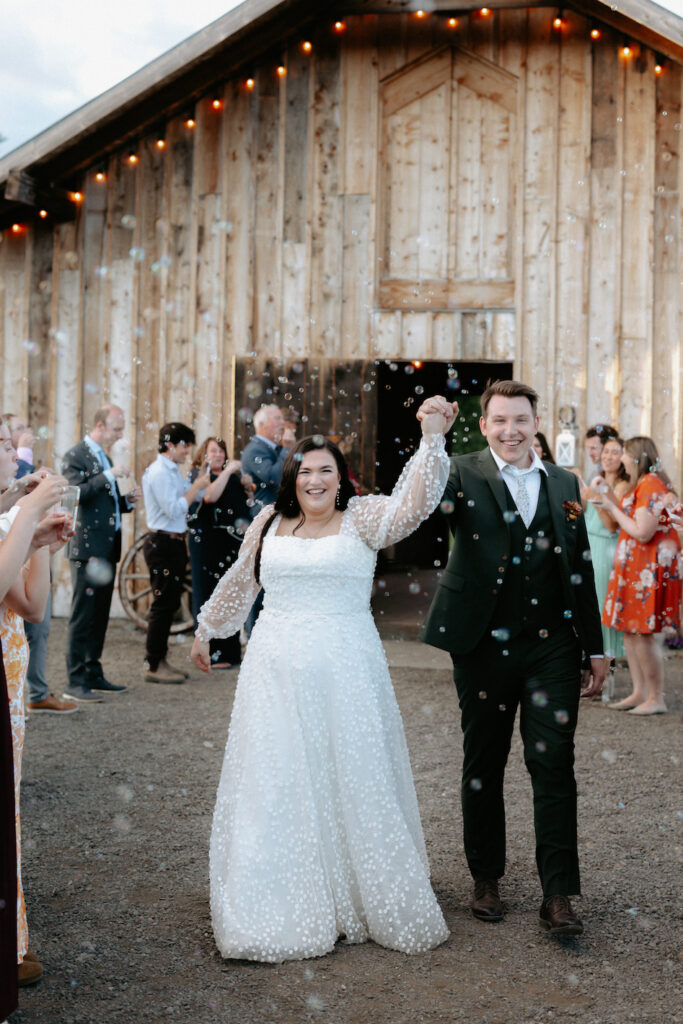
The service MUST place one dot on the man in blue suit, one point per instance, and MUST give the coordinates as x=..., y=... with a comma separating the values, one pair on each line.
x=265, y=455
x=263, y=459
x=94, y=551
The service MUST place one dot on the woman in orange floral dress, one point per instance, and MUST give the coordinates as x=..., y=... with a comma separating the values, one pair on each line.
x=644, y=591
x=25, y=599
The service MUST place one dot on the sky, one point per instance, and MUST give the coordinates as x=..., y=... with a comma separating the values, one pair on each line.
x=58, y=55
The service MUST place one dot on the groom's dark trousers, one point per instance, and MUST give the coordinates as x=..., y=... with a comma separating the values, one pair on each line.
x=515, y=607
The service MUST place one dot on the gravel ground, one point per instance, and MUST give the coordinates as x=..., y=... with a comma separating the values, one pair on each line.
x=116, y=812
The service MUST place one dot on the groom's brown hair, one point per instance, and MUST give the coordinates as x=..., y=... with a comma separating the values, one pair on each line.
x=508, y=389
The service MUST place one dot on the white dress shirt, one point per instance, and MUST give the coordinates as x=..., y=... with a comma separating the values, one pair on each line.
x=533, y=478
x=164, y=488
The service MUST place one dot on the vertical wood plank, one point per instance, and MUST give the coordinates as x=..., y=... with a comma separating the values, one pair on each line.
x=241, y=119
x=177, y=258
x=95, y=295
x=210, y=258
x=446, y=336
x=573, y=213
x=40, y=311
x=326, y=254
x=16, y=250
x=357, y=276
x=667, y=264
x=268, y=227
x=359, y=91
x=294, y=320
x=386, y=328
x=416, y=335
x=537, y=329
x=636, y=355
x=605, y=233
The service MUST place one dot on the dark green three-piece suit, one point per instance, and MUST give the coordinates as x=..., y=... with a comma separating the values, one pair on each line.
x=516, y=607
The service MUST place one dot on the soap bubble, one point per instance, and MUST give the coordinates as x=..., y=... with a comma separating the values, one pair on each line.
x=414, y=588
x=137, y=254
x=447, y=507
x=99, y=572
x=561, y=717
x=475, y=784
x=539, y=698
x=575, y=579
x=128, y=221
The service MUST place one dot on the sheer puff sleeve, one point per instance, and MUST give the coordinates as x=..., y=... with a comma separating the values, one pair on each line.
x=382, y=520
x=228, y=607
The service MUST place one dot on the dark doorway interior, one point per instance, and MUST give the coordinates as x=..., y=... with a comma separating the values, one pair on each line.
x=401, y=387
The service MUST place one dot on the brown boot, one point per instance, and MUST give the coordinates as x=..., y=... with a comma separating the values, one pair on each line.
x=161, y=674
x=486, y=904
x=558, y=917
x=173, y=669
x=29, y=971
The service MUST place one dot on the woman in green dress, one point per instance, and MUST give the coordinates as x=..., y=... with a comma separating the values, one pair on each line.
x=602, y=536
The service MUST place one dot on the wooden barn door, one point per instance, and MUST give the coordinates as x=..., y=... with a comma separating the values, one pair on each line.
x=448, y=183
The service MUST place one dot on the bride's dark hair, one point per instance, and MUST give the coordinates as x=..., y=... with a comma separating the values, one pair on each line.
x=287, y=503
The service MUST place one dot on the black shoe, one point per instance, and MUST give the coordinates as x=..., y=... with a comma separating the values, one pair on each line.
x=83, y=694
x=486, y=904
x=104, y=684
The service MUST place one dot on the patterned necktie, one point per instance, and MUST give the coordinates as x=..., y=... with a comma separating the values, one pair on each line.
x=522, y=499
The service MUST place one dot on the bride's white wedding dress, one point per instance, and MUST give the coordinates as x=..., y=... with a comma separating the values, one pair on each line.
x=316, y=831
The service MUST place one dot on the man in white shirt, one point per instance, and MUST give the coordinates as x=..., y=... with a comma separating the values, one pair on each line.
x=515, y=607
x=167, y=498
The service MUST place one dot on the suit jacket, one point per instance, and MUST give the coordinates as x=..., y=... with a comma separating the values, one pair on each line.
x=96, y=534
x=467, y=594
x=264, y=463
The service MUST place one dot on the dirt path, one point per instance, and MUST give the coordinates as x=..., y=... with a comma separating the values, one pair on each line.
x=117, y=804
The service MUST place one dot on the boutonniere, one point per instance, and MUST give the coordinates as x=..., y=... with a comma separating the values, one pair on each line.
x=572, y=510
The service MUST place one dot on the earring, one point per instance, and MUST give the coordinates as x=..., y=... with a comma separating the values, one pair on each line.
x=337, y=500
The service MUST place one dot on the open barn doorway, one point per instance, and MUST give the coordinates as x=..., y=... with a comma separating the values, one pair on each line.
x=407, y=572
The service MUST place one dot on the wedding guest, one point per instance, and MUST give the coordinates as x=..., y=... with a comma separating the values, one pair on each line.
x=264, y=456
x=23, y=440
x=25, y=598
x=217, y=520
x=542, y=448
x=602, y=537
x=29, y=532
x=167, y=500
x=595, y=439
x=316, y=831
x=94, y=552
x=644, y=591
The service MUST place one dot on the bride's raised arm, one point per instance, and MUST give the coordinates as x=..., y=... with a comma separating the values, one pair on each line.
x=227, y=608
x=381, y=519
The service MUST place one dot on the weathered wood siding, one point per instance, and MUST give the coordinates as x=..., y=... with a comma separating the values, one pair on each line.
x=495, y=190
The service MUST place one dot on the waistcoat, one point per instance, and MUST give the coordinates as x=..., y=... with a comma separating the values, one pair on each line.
x=530, y=598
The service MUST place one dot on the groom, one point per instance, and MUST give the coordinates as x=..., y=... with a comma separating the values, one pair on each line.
x=516, y=607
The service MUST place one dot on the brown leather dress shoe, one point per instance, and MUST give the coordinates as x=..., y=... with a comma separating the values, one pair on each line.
x=558, y=917
x=486, y=904
x=29, y=972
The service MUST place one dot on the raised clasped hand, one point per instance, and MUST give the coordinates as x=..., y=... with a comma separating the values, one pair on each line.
x=437, y=415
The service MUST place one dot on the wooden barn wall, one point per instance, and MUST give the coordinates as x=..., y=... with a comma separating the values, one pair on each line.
x=260, y=231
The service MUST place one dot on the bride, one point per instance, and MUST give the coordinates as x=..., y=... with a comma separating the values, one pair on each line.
x=316, y=830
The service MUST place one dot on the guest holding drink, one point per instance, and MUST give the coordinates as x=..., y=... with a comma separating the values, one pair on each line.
x=644, y=592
